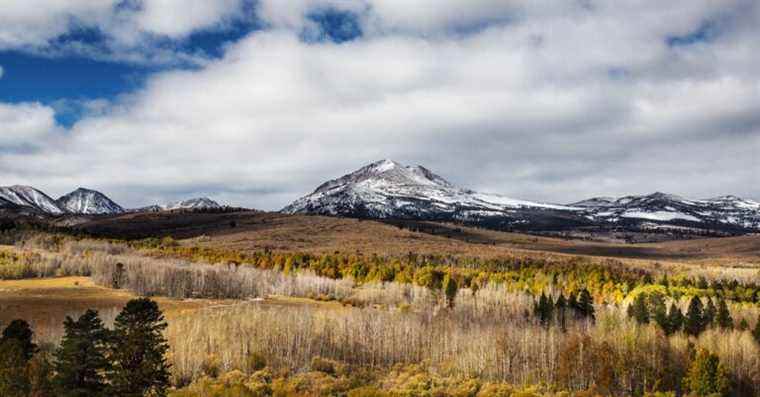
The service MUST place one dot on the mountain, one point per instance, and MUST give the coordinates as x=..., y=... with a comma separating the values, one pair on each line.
x=191, y=204
x=88, y=202
x=194, y=203
x=388, y=190
x=27, y=196
x=662, y=208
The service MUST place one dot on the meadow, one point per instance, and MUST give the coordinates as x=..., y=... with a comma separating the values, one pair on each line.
x=274, y=322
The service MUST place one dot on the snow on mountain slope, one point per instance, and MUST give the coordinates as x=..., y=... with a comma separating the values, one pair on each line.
x=387, y=189
x=88, y=202
x=194, y=203
x=190, y=204
x=27, y=196
x=726, y=210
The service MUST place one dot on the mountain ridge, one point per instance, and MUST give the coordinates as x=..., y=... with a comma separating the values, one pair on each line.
x=386, y=189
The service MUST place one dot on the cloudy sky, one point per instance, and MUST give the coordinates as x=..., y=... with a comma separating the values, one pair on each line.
x=255, y=103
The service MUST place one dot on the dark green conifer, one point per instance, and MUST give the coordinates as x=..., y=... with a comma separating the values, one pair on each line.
x=675, y=319
x=658, y=310
x=21, y=332
x=694, y=322
x=138, y=352
x=561, y=307
x=638, y=309
x=586, y=304
x=80, y=361
x=723, y=317
x=708, y=316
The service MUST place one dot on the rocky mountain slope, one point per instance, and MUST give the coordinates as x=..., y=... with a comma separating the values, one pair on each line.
x=30, y=198
x=389, y=190
x=190, y=204
x=88, y=202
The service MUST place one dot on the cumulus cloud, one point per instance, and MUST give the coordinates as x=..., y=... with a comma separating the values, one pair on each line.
x=529, y=100
x=132, y=30
x=25, y=125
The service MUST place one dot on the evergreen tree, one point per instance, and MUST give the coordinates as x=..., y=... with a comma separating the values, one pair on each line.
x=20, y=331
x=756, y=331
x=659, y=311
x=723, y=318
x=707, y=376
x=80, y=361
x=702, y=283
x=693, y=324
x=561, y=307
x=586, y=304
x=450, y=289
x=743, y=325
x=138, y=352
x=14, y=381
x=572, y=303
x=543, y=309
x=638, y=309
x=675, y=319
x=708, y=316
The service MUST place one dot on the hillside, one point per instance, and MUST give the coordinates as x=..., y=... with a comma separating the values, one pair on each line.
x=250, y=231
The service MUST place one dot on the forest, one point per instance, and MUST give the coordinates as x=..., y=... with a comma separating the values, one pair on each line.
x=348, y=324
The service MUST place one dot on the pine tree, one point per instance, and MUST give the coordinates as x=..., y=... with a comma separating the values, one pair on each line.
x=638, y=309
x=659, y=312
x=13, y=378
x=743, y=325
x=450, y=289
x=80, y=361
x=586, y=304
x=693, y=324
x=138, y=352
x=708, y=316
x=561, y=307
x=675, y=319
x=707, y=376
x=572, y=303
x=723, y=318
x=21, y=332
x=543, y=309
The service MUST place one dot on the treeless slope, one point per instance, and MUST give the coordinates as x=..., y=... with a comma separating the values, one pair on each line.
x=252, y=231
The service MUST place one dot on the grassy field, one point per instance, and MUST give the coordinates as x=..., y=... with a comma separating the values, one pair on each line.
x=45, y=303
x=255, y=231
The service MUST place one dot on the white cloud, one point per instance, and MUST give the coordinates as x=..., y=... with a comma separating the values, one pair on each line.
x=548, y=104
x=25, y=124
x=130, y=28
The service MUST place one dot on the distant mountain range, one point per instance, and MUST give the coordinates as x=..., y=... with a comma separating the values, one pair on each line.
x=30, y=201
x=389, y=190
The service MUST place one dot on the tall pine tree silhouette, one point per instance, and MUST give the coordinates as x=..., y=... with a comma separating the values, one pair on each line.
x=694, y=322
x=138, y=352
x=80, y=361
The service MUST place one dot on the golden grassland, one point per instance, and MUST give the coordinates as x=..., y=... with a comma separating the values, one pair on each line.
x=381, y=326
x=45, y=302
x=256, y=231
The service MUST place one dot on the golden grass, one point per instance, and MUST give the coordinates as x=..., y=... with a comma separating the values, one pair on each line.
x=46, y=302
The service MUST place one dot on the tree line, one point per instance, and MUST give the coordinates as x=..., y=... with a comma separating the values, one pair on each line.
x=91, y=360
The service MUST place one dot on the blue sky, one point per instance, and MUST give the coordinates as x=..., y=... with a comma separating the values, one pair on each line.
x=257, y=102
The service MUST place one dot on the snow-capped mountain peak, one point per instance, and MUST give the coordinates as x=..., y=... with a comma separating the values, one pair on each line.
x=88, y=202
x=194, y=203
x=388, y=189
x=27, y=196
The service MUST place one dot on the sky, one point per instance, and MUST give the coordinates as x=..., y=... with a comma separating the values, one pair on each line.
x=257, y=102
